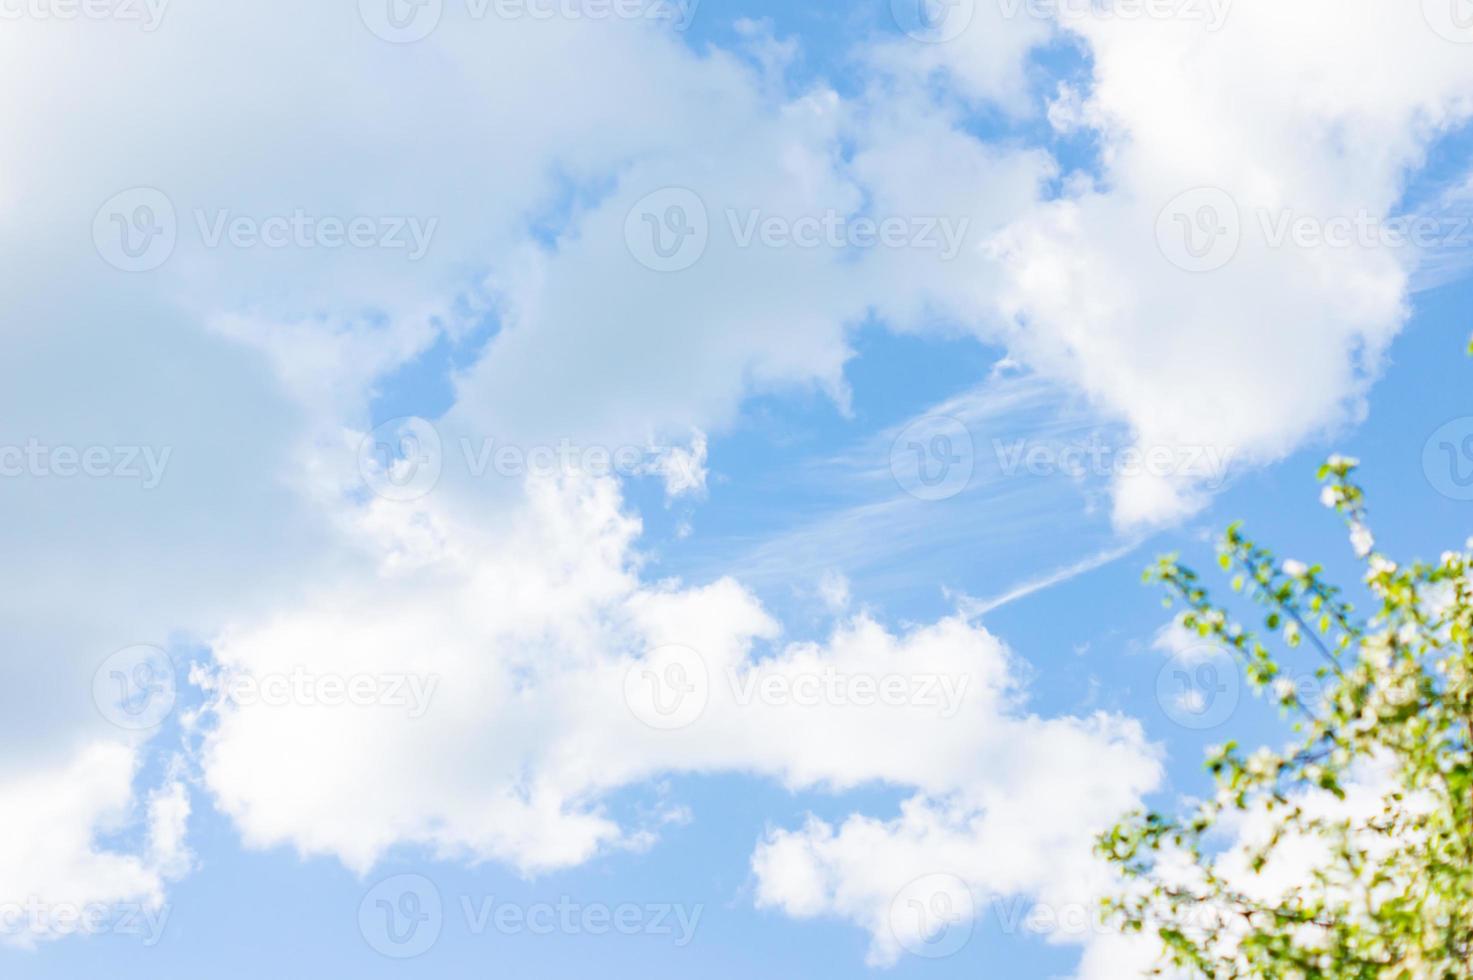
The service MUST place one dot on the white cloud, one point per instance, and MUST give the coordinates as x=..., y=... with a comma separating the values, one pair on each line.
x=1019, y=824
x=833, y=589
x=257, y=366
x=1315, y=109
x=532, y=624
x=682, y=468
x=57, y=877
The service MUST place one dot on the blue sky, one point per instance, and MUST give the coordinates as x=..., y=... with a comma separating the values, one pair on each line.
x=770, y=393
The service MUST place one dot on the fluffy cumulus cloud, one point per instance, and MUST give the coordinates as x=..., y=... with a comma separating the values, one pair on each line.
x=1015, y=833
x=534, y=664
x=617, y=263
x=61, y=878
x=1234, y=163
x=552, y=675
